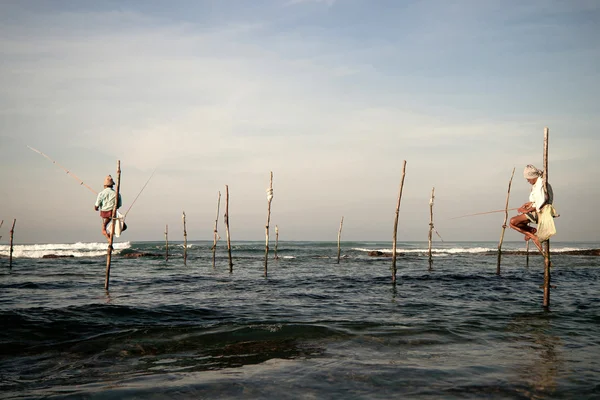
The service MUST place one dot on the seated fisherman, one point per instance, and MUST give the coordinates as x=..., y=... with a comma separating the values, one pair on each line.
x=529, y=212
x=106, y=202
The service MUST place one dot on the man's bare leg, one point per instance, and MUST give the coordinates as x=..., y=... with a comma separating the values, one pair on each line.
x=520, y=223
x=104, y=223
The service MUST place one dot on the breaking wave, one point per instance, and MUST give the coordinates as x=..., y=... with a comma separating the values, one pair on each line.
x=62, y=249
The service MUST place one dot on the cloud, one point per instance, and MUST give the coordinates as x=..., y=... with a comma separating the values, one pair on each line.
x=332, y=116
x=328, y=3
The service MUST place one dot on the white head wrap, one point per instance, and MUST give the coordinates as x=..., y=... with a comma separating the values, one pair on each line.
x=532, y=172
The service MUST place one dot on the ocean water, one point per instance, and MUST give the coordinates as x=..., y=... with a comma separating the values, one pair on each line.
x=310, y=329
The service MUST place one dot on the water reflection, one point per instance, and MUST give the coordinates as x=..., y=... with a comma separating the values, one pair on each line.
x=542, y=353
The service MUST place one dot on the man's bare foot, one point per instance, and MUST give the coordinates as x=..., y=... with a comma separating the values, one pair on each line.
x=537, y=243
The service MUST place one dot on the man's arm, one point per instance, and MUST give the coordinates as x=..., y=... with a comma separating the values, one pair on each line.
x=98, y=202
x=525, y=208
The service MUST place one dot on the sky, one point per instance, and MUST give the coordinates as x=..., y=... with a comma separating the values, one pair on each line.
x=330, y=95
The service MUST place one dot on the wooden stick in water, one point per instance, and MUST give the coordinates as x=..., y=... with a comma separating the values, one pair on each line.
x=184, y=240
x=276, y=241
x=430, y=236
x=112, y=227
x=269, y=199
x=167, y=242
x=226, y=217
x=339, y=238
x=396, y=223
x=1, y=222
x=527, y=254
x=12, y=231
x=546, y=245
x=504, y=224
x=216, y=232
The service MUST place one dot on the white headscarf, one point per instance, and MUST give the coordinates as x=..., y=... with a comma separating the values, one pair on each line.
x=532, y=172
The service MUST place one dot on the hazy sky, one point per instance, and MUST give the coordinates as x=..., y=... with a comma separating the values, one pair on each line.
x=330, y=95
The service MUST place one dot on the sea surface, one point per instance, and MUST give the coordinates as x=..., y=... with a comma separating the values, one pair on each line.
x=310, y=329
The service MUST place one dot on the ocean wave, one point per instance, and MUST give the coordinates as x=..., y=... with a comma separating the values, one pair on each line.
x=78, y=249
x=469, y=250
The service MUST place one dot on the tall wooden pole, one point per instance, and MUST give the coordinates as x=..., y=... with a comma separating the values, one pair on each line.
x=430, y=236
x=216, y=232
x=12, y=231
x=226, y=217
x=504, y=224
x=339, y=238
x=396, y=223
x=527, y=253
x=546, y=244
x=112, y=227
x=1, y=222
x=184, y=240
x=276, y=242
x=167, y=243
x=269, y=199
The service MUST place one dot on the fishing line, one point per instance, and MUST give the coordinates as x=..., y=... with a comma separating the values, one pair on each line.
x=84, y=184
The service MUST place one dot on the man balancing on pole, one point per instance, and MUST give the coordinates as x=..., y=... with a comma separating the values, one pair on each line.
x=530, y=211
x=106, y=202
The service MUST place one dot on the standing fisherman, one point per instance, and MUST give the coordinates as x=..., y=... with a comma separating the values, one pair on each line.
x=106, y=202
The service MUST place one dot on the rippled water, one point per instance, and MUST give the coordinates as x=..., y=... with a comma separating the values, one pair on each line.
x=311, y=329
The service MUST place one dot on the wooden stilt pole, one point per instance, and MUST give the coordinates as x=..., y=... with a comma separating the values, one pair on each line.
x=430, y=236
x=167, y=243
x=276, y=241
x=112, y=227
x=527, y=254
x=504, y=224
x=269, y=199
x=184, y=240
x=546, y=244
x=12, y=232
x=339, y=238
x=1, y=222
x=396, y=223
x=226, y=217
x=215, y=231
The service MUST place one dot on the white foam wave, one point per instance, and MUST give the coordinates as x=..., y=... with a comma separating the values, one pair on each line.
x=462, y=250
x=456, y=250
x=61, y=249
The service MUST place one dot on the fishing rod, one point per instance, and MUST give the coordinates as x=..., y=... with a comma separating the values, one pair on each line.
x=485, y=212
x=437, y=233
x=83, y=184
x=66, y=170
x=136, y=197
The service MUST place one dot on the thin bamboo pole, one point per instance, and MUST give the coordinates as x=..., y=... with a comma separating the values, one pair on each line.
x=527, y=254
x=504, y=224
x=12, y=231
x=167, y=242
x=1, y=222
x=396, y=223
x=226, y=217
x=430, y=236
x=276, y=257
x=269, y=200
x=184, y=240
x=339, y=238
x=112, y=227
x=216, y=232
x=546, y=244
